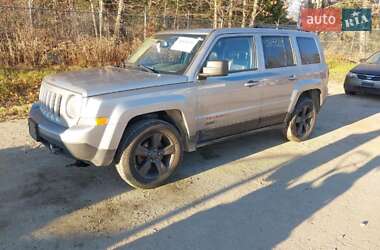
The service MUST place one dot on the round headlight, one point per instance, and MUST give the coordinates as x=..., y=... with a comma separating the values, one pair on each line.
x=73, y=106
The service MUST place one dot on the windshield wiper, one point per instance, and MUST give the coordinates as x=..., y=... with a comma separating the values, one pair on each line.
x=146, y=68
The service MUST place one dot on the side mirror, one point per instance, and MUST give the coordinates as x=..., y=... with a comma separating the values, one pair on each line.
x=363, y=60
x=214, y=68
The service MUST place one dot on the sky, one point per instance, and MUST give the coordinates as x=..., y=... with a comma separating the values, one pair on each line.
x=294, y=8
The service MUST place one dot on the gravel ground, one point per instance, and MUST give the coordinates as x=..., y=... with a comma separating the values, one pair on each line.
x=257, y=192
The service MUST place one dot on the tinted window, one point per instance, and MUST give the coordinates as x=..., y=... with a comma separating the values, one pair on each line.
x=277, y=52
x=236, y=50
x=308, y=50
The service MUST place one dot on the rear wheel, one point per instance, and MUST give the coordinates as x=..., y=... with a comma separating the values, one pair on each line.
x=150, y=153
x=302, y=121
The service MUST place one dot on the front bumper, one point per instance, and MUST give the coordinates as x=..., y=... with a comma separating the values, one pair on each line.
x=352, y=84
x=77, y=142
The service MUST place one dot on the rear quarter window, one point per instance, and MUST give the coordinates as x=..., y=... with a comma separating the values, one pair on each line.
x=308, y=50
x=278, y=52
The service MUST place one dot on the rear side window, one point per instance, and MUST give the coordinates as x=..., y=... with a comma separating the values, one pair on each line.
x=308, y=50
x=278, y=52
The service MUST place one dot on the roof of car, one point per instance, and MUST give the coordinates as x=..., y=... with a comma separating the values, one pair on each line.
x=233, y=31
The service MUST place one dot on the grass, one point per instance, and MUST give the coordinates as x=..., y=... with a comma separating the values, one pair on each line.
x=339, y=67
x=15, y=112
x=19, y=88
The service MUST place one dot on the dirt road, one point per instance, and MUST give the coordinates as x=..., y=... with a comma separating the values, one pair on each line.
x=258, y=192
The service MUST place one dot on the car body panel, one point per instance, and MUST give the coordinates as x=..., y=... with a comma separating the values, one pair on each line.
x=107, y=80
x=124, y=109
x=367, y=69
x=225, y=101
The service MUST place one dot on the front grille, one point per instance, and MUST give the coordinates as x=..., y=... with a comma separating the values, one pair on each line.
x=369, y=77
x=50, y=103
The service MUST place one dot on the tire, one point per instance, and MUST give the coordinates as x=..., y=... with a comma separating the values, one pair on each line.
x=149, y=153
x=302, y=121
x=347, y=92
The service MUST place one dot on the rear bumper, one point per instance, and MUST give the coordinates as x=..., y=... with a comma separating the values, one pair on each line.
x=74, y=142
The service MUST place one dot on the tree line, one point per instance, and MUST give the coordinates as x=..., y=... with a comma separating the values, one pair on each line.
x=222, y=13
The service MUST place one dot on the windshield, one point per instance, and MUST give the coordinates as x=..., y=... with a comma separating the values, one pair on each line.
x=167, y=53
x=374, y=59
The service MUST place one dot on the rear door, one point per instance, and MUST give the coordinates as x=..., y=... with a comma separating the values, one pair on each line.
x=280, y=67
x=230, y=104
x=312, y=68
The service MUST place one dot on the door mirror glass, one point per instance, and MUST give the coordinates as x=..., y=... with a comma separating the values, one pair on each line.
x=214, y=68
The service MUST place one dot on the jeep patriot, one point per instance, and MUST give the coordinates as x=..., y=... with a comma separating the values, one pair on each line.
x=179, y=91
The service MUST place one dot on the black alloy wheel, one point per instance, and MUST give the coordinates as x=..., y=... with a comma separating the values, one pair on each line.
x=303, y=121
x=149, y=154
x=153, y=156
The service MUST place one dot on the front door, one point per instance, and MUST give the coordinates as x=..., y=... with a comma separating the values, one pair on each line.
x=230, y=104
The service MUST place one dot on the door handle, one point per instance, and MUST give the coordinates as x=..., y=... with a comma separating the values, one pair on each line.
x=292, y=77
x=251, y=83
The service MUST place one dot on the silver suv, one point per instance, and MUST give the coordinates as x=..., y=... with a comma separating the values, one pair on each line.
x=179, y=91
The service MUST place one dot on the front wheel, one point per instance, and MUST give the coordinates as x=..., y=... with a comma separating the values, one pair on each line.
x=150, y=153
x=302, y=121
x=348, y=92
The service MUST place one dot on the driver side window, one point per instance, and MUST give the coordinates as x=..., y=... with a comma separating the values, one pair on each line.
x=238, y=51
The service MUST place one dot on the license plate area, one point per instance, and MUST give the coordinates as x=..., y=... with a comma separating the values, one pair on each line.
x=33, y=130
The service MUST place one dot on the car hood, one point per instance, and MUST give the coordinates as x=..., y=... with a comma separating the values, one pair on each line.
x=92, y=82
x=367, y=69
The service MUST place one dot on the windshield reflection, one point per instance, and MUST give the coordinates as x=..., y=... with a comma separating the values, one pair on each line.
x=374, y=59
x=167, y=53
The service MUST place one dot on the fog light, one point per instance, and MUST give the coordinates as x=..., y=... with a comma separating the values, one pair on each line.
x=101, y=121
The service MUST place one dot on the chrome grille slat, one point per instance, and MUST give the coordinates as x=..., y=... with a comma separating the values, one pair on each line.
x=47, y=100
x=57, y=105
x=43, y=95
x=41, y=92
x=50, y=103
x=369, y=77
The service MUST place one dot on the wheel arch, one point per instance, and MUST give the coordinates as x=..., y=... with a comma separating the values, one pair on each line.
x=314, y=93
x=173, y=116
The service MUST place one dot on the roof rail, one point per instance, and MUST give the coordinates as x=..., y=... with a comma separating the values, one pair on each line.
x=277, y=26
